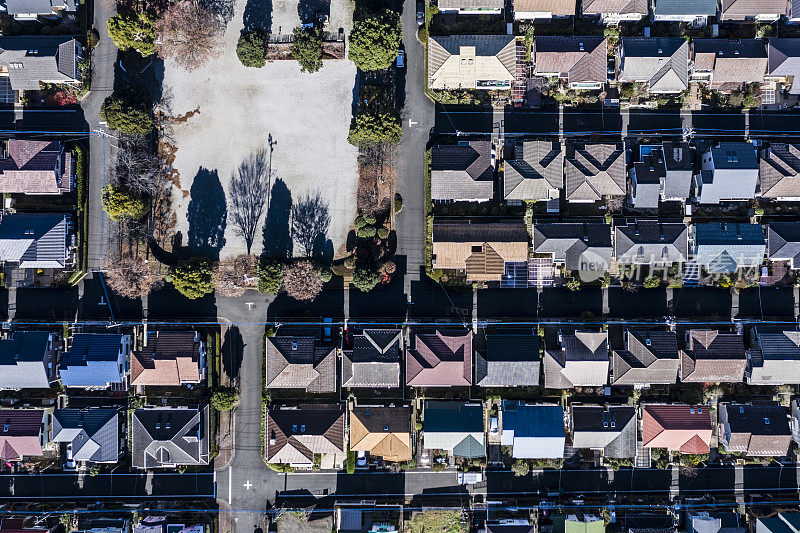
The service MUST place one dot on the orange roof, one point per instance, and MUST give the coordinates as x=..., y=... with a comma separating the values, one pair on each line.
x=683, y=428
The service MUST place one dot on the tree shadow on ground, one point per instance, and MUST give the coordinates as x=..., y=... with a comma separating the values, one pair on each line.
x=207, y=214
x=277, y=234
x=323, y=249
x=310, y=222
x=223, y=8
x=232, y=352
x=306, y=9
x=258, y=15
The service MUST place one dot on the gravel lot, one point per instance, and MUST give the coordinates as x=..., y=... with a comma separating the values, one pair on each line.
x=307, y=115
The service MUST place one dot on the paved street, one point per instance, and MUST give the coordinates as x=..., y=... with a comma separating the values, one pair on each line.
x=117, y=486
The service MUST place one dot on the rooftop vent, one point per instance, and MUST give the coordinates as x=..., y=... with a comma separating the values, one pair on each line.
x=580, y=46
x=648, y=342
x=766, y=420
x=367, y=412
x=386, y=427
x=294, y=345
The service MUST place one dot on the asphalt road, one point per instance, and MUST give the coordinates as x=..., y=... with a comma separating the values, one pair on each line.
x=117, y=486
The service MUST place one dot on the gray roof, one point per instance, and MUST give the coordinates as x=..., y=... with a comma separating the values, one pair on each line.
x=711, y=356
x=575, y=244
x=34, y=240
x=734, y=155
x=651, y=242
x=579, y=59
x=646, y=178
x=706, y=8
x=471, y=4
x=509, y=231
x=783, y=242
x=714, y=522
x=661, y=62
x=298, y=362
x=93, y=360
x=611, y=428
x=441, y=48
x=594, y=170
x=679, y=167
x=32, y=60
x=774, y=358
x=582, y=360
x=650, y=358
x=725, y=247
x=22, y=359
x=784, y=57
x=374, y=360
x=739, y=10
x=165, y=436
x=452, y=424
x=734, y=176
x=93, y=433
x=508, y=361
x=534, y=431
x=537, y=167
x=462, y=172
x=623, y=7
x=779, y=171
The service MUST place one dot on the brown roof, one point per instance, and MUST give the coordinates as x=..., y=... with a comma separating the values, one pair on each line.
x=683, y=428
x=556, y=7
x=295, y=435
x=731, y=62
x=480, y=249
x=441, y=359
x=713, y=357
x=779, y=171
x=651, y=358
x=578, y=59
x=382, y=431
x=599, y=7
x=297, y=362
x=170, y=358
x=31, y=168
x=594, y=170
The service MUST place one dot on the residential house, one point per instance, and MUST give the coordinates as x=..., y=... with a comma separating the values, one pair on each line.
x=39, y=10
x=484, y=251
x=170, y=358
x=383, y=432
x=783, y=243
x=454, y=427
x=534, y=431
x=29, y=360
x=300, y=362
x=33, y=241
x=594, y=171
x=784, y=522
x=724, y=248
x=294, y=436
x=752, y=10
x=462, y=173
x=25, y=433
x=26, y=524
x=472, y=61
x=472, y=7
x=711, y=356
x=167, y=437
x=755, y=429
x=36, y=167
x=647, y=176
x=650, y=242
x=87, y=435
x=581, y=247
x=440, y=359
x=103, y=525
x=374, y=360
x=729, y=174
x=662, y=63
x=612, y=12
x=509, y=360
x=649, y=358
x=726, y=65
x=580, y=61
x=610, y=429
x=96, y=361
x=28, y=62
x=779, y=172
x=773, y=358
x=543, y=9
x=695, y=12
x=677, y=427
x=783, y=55
x=679, y=166
x=163, y=524
x=580, y=361
x=578, y=523
x=714, y=522
x=364, y=516
x=534, y=172
x=649, y=522
x=663, y=172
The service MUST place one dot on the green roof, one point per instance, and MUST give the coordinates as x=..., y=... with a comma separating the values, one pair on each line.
x=469, y=448
x=562, y=524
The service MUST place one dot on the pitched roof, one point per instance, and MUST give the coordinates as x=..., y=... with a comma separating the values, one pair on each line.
x=165, y=436
x=509, y=528
x=611, y=428
x=93, y=433
x=711, y=357
x=761, y=429
x=575, y=244
x=744, y=9
x=35, y=167
x=533, y=430
x=22, y=359
x=677, y=427
x=38, y=7
x=20, y=431
x=461, y=61
x=651, y=358
x=382, y=431
x=471, y=4
x=578, y=59
x=783, y=242
x=594, y=170
x=170, y=358
x=34, y=240
x=731, y=62
x=448, y=424
x=581, y=361
x=462, y=172
x=725, y=247
x=297, y=362
x=374, y=360
x=661, y=62
x=774, y=358
x=623, y=7
x=651, y=242
x=779, y=171
x=295, y=435
x=92, y=360
x=508, y=361
x=441, y=359
x=33, y=60
x=784, y=59
x=668, y=8
x=557, y=7
x=537, y=167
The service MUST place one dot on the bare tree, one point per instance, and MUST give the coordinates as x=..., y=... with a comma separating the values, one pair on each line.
x=310, y=221
x=302, y=281
x=235, y=275
x=129, y=276
x=189, y=33
x=248, y=193
x=137, y=168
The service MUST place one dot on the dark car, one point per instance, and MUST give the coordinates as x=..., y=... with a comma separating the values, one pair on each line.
x=420, y=13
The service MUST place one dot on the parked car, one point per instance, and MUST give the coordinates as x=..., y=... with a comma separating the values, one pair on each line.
x=493, y=429
x=401, y=59
x=361, y=458
x=420, y=13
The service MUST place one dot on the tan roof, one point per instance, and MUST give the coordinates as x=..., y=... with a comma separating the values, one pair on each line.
x=382, y=431
x=171, y=358
x=485, y=265
x=556, y=7
x=461, y=61
x=579, y=59
x=31, y=166
x=599, y=7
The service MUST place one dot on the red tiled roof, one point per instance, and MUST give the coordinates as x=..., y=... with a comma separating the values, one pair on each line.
x=684, y=428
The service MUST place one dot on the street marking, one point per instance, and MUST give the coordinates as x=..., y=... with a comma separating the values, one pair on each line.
x=411, y=122
x=248, y=485
x=250, y=305
x=230, y=485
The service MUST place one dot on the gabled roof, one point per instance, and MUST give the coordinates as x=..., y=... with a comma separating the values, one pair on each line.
x=668, y=8
x=462, y=172
x=165, y=436
x=623, y=7
x=734, y=155
x=578, y=59
x=22, y=359
x=743, y=9
x=440, y=359
x=533, y=430
x=784, y=59
x=732, y=62
x=295, y=435
x=594, y=170
x=581, y=361
x=493, y=58
x=611, y=428
x=449, y=425
x=714, y=522
x=574, y=243
x=537, y=167
x=783, y=242
x=92, y=360
x=774, y=358
x=170, y=358
x=35, y=167
x=20, y=431
x=661, y=62
x=297, y=362
x=651, y=242
x=36, y=59
x=779, y=171
x=725, y=247
x=382, y=431
x=651, y=358
x=93, y=433
x=39, y=7
x=509, y=528
x=34, y=240
x=508, y=361
x=558, y=8
x=677, y=427
x=761, y=429
x=712, y=357
x=786, y=522
x=374, y=360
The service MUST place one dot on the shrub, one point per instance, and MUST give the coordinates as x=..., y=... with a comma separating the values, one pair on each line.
x=383, y=232
x=359, y=222
x=372, y=126
x=133, y=31
x=370, y=219
x=439, y=467
x=307, y=49
x=92, y=38
x=651, y=282
x=351, y=461
x=388, y=267
x=223, y=399
x=574, y=285
x=193, y=278
x=326, y=275
x=366, y=232
x=128, y=111
x=270, y=276
x=365, y=278
x=374, y=41
x=520, y=468
x=119, y=204
x=251, y=49
x=302, y=281
x=398, y=202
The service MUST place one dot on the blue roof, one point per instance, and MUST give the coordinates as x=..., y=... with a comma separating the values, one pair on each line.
x=91, y=360
x=533, y=420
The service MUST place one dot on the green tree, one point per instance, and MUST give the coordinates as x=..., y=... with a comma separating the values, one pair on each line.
x=128, y=112
x=375, y=40
x=372, y=127
x=307, y=49
x=251, y=49
x=223, y=399
x=365, y=278
x=652, y=282
x=270, y=276
x=351, y=461
x=119, y=203
x=193, y=278
x=133, y=31
x=520, y=468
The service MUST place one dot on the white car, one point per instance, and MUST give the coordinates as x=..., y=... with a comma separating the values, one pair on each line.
x=493, y=429
x=361, y=458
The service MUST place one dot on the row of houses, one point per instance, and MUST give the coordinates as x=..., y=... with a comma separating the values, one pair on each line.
x=101, y=361
x=111, y=522
x=160, y=437
x=379, y=359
